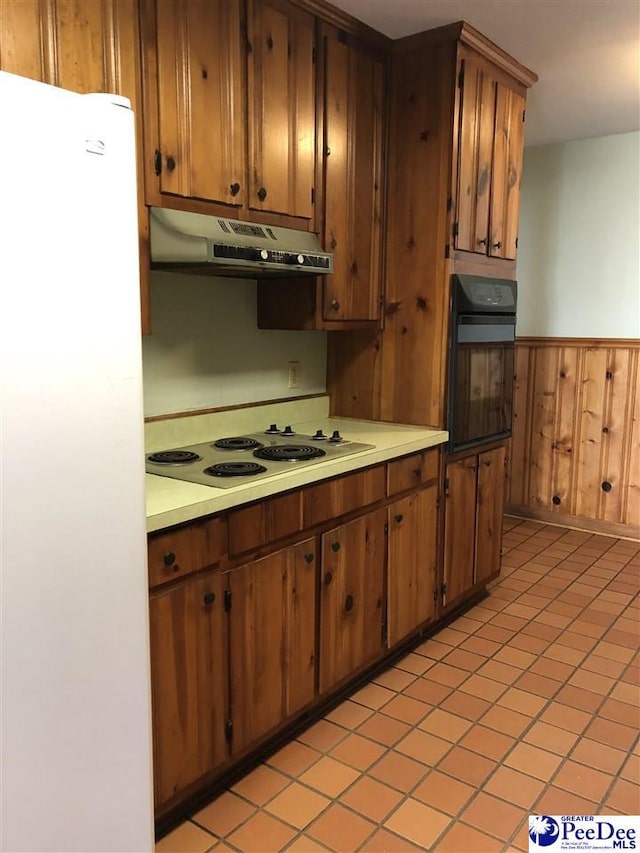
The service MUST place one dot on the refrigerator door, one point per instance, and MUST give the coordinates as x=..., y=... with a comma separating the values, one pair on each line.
x=75, y=704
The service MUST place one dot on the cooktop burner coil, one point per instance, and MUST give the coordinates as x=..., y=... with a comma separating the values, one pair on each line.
x=289, y=453
x=174, y=457
x=234, y=469
x=236, y=443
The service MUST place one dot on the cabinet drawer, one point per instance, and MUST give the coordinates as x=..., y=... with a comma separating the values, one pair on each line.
x=263, y=522
x=336, y=497
x=182, y=550
x=411, y=471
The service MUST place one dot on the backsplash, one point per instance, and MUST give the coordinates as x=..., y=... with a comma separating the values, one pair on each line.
x=206, y=351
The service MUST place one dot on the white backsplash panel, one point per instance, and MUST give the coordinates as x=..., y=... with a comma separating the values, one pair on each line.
x=205, y=350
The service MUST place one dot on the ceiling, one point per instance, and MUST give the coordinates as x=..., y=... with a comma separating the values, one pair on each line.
x=585, y=53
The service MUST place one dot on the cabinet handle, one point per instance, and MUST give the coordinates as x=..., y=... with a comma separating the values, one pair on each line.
x=169, y=558
x=209, y=597
x=497, y=245
x=308, y=558
x=235, y=188
x=399, y=517
x=157, y=162
x=335, y=304
x=327, y=578
x=171, y=163
x=348, y=603
x=335, y=546
x=262, y=193
x=482, y=242
x=417, y=472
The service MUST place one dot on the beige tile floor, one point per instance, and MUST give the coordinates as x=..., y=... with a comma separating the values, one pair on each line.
x=526, y=704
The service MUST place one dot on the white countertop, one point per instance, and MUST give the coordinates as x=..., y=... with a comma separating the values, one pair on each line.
x=171, y=501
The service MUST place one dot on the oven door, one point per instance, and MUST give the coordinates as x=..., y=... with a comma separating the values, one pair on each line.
x=481, y=377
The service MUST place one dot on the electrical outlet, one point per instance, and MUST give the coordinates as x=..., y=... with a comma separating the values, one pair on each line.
x=294, y=374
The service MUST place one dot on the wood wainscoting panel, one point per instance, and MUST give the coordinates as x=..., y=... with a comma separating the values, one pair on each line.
x=576, y=436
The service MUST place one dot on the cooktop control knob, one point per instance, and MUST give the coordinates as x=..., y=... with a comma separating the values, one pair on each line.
x=288, y=431
x=273, y=430
x=319, y=435
x=301, y=259
x=264, y=254
x=335, y=436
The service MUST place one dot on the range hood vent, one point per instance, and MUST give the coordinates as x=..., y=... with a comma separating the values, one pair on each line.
x=193, y=242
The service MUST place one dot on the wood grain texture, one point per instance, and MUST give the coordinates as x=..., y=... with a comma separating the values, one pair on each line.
x=459, y=531
x=351, y=598
x=272, y=641
x=412, y=562
x=341, y=495
x=353, y=115
x=265, y=521
x=490, y=505
x=575, y=440
x=188, y=683
x=281, y=102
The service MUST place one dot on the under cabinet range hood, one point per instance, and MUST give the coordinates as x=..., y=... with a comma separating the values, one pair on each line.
x=211, y=245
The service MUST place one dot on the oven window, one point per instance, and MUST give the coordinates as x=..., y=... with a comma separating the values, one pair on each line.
x=483, y=390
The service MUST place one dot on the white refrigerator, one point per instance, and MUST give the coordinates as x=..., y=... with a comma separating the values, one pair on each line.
x=75, y=695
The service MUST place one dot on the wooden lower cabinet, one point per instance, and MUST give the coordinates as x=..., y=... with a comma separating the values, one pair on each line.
x=272, y=624
x=412, y=563
x=189, y=683
x=351, y=598
x=474, y=501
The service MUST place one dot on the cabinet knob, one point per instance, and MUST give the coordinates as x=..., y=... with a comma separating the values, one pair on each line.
x=169, y=558
x=417, y=472
x=497, y=245
x=262, y=193
x=327, y=151
x=308, y=558
x=335, y=546
x=335, y=304
x=171, y=163
x=606, y=486
x=235, y=188
x=327, y=578
x=348, y=603
x=209, y=597
x=157, y=162
x=399, y=517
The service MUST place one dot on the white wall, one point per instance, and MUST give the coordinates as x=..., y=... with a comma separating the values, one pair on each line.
x=579, y=244
x=206, y=351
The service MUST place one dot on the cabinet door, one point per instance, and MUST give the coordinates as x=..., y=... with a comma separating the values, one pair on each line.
x=475, y=154
x=272, y=641
x=351, y=606
x=196, y=144
x=459, y=529
x=411, y=578
x=490, y=505
x=281, y=120
x=86, y=47
x=508, y=150
x=354, y=93
x=188, y=683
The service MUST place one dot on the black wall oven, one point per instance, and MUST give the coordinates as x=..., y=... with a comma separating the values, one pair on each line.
x=481, y=360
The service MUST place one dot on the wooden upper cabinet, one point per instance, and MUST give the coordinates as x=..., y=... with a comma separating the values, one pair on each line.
x=281, y=104
x=490, y=152
x=195, y=134
x=84, y=46
x=354, y=79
